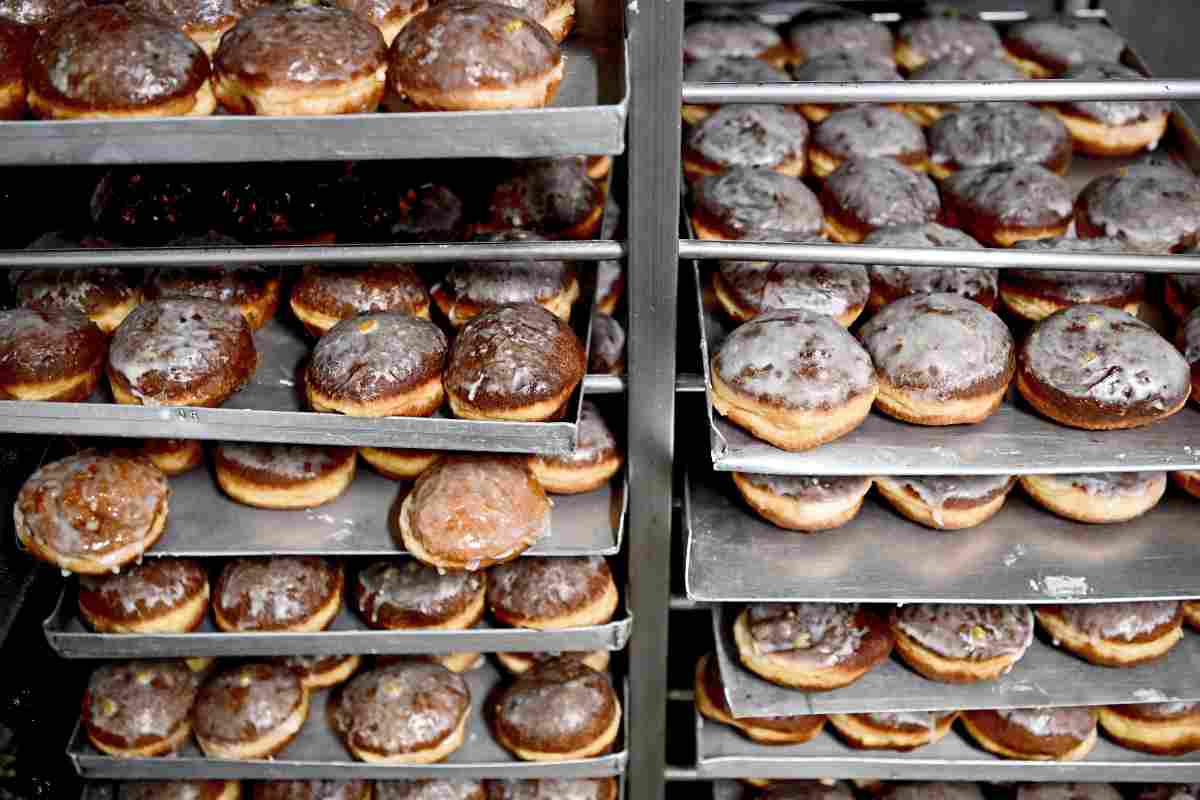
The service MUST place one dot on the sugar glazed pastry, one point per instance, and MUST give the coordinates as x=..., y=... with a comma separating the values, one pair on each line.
x=249, y=711
x=203, y=23
x=959, y=67
x=1045, y=48
x=793, y=378
x=37, y=14
x=803, y=502
x=710, y=701
x=1152, y=205
x=1114, y=634
x=411, y=712
x=726, y=69
x=927, y=38
x=286, y=60
x=514, y=362
x=868, y=193
x=49, y=354
x=91, y=513
x=398, y=463
x=746, y=289
x=557, y=711
x=735, y=37
x=283, y=476
x=552, y=789
x=756, y=136
x=866, y=132
x=748, y=203
x=1034, y=294
x=321, y=672
x=841, y=67
x=812, y=646
x=1034, y=734
x=159, y=595
x=324, y=296
x=252, y=289
x=284, y=593
x=136, y=709
x=940, y=359
x=110, y=62
x=1111, y=127
x=104, y=295
x=1002, y=204
x=961, y=643
x=552, y=593
x=988, y=134
x=890, y=283
x=473, y=511
x=893, y=730
x=592, y=464
x=467, y=55
x=178, y=790
x=1168, y=729
x=946, y=502
x=172, y=456
x=827, y=30
x=389, y=16
x=554, y=197
x=1103, y=497
x=1098, y=368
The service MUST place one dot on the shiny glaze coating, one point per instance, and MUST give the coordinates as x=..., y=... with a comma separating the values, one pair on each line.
x=877, y=192
x=751, y=203
x=759, y=136
x=993, y=133
x=243, y=703
x=39, y=345
x=970, y=632
x=402, y=708
x=266, y=594
x=409, y=594
x=130, y=704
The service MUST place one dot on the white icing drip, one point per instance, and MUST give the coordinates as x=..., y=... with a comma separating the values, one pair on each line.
x=937, y=490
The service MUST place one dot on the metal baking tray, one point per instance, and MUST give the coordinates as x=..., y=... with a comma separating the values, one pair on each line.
x=1045, y=676
x=587, y=117
x=317, y=752
x=204, y=522
x=723, y=753
x=348, y=635
x=1024, y=554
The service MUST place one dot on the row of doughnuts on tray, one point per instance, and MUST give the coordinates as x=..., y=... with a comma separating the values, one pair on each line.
x=407, y=711
x=327, y=789
x=873, y=789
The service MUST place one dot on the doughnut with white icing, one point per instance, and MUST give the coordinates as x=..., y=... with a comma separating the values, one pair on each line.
x=754, y=136
x=326, y=295
x=987, y=134
x=1034, y=734
x=709, y=692
x=552, y=593
x=946, y=502
x=925, y=39
x=137, y=709
x=868, y=193
x=890, y=283
x=804, y=502
x=746, y=289
x=1101, y=497
x=893, y=730
x=841, y=67
x=1034, y=294
x=49, y=354
x=249, y=711
x=1169, y=729
x=1111, y=128
x=159, y=595
x=283, y=476
x=961, y=643
x=285, y=593
x=593, y=462
x=749, y=203
x=1114, y=634
x=1045, y=48
x=1004, y=203
x=960, y=67
x=868, y=132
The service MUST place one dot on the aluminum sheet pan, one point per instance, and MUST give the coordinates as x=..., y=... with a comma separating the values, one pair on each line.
x=317, y=752
x=204, y=522
x=1045, y=676
x=348, y=635
x=723, y=753
x=1024, y=554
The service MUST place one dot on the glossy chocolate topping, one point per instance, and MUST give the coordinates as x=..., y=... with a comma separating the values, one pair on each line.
x=828, y=289
x=308, y=666
x=197, y=15
x=109, y=58
x=816, y=634
x=731, y=69
x=409, y=594
x=402, y=708
x=376, y=356
x=135, y=703
x=878, y=191
x=170, y=790
x=309, y=790
x=282, y=463
x=147, y=205
x=939, y=36
x=462, y=789
x=45, y=344
x=1066, y=286
x=551, y=789
x=347, y=292
x=988, y=134
x=426, y=212
x=556, y=706
x=1011, y=194
x=607, y=351
x=1121, y=621
x=274, y=593
x=548, y=195
x=594, y=441
x=1108, y=484
x=1111, y=112
x=810, y=488
x=842, y=66
x=143, y=591
x=795, y=359
x=300, y=45
x=750, y=136
x=928, y=280
x=486, y=284
x=871, y=132
x=840, y=32
x=1152, y=206
x=976, y=633
x=243, y=703
x=1077, y=723
x=546, y=588
x=754, y=203
x=90, y=291
x=1060, y=42
x=384, y=12
x=731, y=38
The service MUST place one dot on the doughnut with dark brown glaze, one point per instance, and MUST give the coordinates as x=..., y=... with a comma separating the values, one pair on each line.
x=756, y=136
x=320, y=672
x=550, y=196
x=178, y=790
x=399, y=595
x=1045, y=48
x=389, y=16
x=159, y=595
x=138, y=708
x=283, y=476
x=1034, y=294
x=1170, y=729
x=868, y=132
x=841, y=66
x=1153, y=206
x=826, y=30
x=988, y=134
x=606, y=353
x=868, y=193
x=147, y=206
x=105, y=295
x=249, y=711
x=297, y=203
x=285, y=593
x=925, y=39
x=1114, y=634
x=387, y=212
x=253, y=289
x=746, y=203
x=551, y=789
x=49, y=354
x=709, y=691
x=593, y=462
x=558, y=710
x=552, y=593
x=746, y=289
x=204, y=21
x=326, y=295
x=955, y=643
x=1034, y=734
x=890, y=283
x=1004, y=203
x=16, y=47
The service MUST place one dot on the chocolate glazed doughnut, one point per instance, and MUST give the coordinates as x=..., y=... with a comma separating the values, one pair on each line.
x=105, y=295
x=946, y=502
x=203, y=22
x=985, y=135
x=300, y=60
x=1044, y=48
x=552, y=593
x=249, y=711
x=145, y=205
x=321, y=672
x=596, y=457
x=49, y=354
x=893, y=730
x=286, y=593
x=1002, y=204
x=1097, y=496
x=324, y=296
x=754, y=136
x=747, y=203
x=553, y=196
x=179, y=790
x=812, y=646
x=1034, y=734
x=253, y=289
x=961, y=643
x=467, y=55
x=1112, y=127
x=802, y=502
x=1169, y=729
x=311, y=790
x=869, y=132
x=709, y=692
x=283, y=476
x=553, y=789
x=136, y=709
x=890, y=283
x=1034, y=294
x=109, y=62
x=1114, y=634
x=520, y=663
x=868, y=193
x=159, y=595
x=389, y=16
x=16, y=46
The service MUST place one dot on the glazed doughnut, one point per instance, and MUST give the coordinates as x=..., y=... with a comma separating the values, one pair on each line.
x=514, y=362
x=472, y=287
x=473, y=511
x=466, y=55
x=726, y=69
x=412, y=712
x=1153, y=206
x=1034, y=734
x=1114, y=634
x=1098, y=368
x=559, y=710
x=709, y=691
x=989, y=134
x=398, y=463
x=811, y=646
x=435, y=789
x=285, y=60
x=406, y=595
x=144, y=205
x=203, y=22
x=49, y=354
x=553, y=789
x=91, y=513
x=754, y=136
x=1002, y=204
x=159, y=595
x=1168, y=729
x=978, y=67
x=746, y=289
x=389, y=16
x=1112, y=127
x=1068, y=791
x=181, y=352
x=893, y=730
x=252, y=289
x=321, y=672
x=16, y=46
x=841, y=67
x=868, y=193
x=940, y=359
x=300, y=203
x=172, y=456
x=1045, y=48
x=109, y=62
x=733, y=38
x=1034, y=294
x=922, y=40
x=520, y=663
x=867, y=132
x=596, y=458
x=1097, y=496
x=804, y=502
x=961, y=643
x=138, y=709
x=610, y=285
x=283, y=476
x=284, y=593
x=946, y=502
x=927, y=790
x=179, y=790
x=380, y=364
x=249, y=711
x=793, y=378
x=552, y=593
x=326, y=295
x=1189, y=343
x=554, y=197
x=1182, y=294
x=890, y=283
x=606, y=352
x=825, y=30
x=105, y=295
x=393, y=208
x=746, y=203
